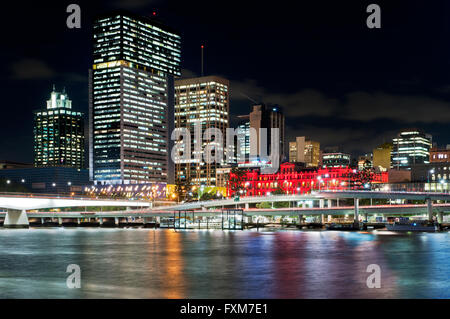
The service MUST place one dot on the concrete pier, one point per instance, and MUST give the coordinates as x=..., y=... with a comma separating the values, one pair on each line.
x=356, y=217
x=430, y=209
x=16, y=219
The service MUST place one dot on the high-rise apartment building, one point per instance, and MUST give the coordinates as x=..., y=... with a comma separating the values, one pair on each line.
x=201, y=102
x=58, y=134
x=411, y=147
x=131, y=99
x=304, y=150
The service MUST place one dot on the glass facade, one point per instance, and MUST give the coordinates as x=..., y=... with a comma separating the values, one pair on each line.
x=134, y=61
x=244, y=141
x=201, y=102
x=58, y=134
x=411, y=148
x=335, y=160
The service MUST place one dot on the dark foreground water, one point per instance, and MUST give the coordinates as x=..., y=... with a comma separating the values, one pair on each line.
x=146, y=263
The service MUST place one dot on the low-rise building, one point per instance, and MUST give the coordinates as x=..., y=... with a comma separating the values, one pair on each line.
x=295, y=179
x=335, y=160
x=440, y=155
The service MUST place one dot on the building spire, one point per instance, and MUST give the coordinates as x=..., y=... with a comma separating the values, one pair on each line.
x=202, y=47
x=54, y=88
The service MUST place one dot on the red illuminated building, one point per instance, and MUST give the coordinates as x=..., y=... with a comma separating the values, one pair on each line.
x=292, y=179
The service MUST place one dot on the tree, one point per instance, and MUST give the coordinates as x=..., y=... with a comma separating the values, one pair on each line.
x=236, y=179
x=264, y=205
x=279, y=191
x=207, y=196
x=181, y=188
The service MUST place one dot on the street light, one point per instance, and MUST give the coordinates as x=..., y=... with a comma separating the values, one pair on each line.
x=8, y=182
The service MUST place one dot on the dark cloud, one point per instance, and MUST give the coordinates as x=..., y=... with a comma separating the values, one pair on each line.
x=31, y=69
x=409, y=109
x=133, y=4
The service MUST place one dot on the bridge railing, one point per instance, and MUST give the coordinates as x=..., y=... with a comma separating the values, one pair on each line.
x=56, y=196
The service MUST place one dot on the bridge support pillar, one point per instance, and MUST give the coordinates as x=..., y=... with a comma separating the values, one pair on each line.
x=440, y=217
x=337, y=202
x=116, y=221
x=321, y=203
x=100, y=221
x=366, y=217
x=430, y=209
x=323, y=218
x=42, y=220
x=300, y=219
x=16, y=219
x=356, y=217
x=59, y=221
x=246, y=206
x=330, y=203
x=78, y=221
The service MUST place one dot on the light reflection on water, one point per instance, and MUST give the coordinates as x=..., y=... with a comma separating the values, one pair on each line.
x=147, y=263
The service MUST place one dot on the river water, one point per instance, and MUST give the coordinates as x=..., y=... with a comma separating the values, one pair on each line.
x=163, y=263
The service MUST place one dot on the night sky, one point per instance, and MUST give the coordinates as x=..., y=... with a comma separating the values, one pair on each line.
x=339, y=82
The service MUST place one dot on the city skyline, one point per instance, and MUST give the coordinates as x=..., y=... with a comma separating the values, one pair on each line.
x=338, y=104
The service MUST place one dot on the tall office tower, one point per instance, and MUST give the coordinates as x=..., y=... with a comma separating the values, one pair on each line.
x=131, y=99
x=304, y=150
x=243, y=139
x=266, y=116
x=410, y=148
x=58, y=134
x=201, y=102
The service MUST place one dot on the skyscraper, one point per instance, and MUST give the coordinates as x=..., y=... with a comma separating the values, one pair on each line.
x=244, y=138
x=268, y=117
x=411, y=147
x=201, y=102
x=131, y=99
x=58, y=134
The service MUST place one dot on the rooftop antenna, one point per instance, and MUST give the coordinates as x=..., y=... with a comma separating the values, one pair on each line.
x=249, y=98
x=202, y=47
x=54, y=87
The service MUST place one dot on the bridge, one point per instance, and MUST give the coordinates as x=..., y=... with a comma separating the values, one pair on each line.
x=17, y=206
x=315, y=196
x=301, y=200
